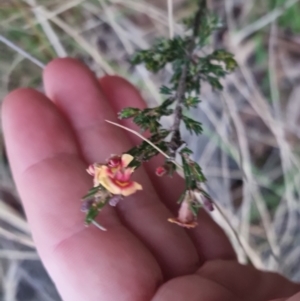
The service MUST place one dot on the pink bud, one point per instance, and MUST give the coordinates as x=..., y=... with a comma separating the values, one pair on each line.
x=185, y=214
x=160, y=171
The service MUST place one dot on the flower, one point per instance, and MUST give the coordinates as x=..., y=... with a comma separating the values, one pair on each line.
x=186, y=217
x=115, y=176
x=117, y=161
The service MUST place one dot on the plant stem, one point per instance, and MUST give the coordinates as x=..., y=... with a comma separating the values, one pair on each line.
x=176, y=142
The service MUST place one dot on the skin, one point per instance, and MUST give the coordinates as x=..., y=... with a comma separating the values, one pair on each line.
x=50, y=141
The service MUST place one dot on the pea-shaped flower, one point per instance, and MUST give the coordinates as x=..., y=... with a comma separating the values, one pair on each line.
x=115, y=176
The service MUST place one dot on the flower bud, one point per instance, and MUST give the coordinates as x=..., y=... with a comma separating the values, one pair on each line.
x=160, y=171
x=186, y=217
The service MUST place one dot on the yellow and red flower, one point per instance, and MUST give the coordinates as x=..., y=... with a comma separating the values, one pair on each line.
x=115, y=175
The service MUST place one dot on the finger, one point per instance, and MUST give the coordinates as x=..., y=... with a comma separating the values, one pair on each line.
x=86, y=264
x=209, y=238
x=227, y=280
x=80, y=99
x=294, y=298
x=194, y=288
x=246, y=281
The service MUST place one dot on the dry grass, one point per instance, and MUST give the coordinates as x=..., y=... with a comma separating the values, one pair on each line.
x=250, y=147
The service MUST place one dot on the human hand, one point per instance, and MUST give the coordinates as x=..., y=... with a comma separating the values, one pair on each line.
x=50, y=142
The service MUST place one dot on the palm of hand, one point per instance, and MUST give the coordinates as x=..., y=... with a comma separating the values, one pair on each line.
x=142, y=256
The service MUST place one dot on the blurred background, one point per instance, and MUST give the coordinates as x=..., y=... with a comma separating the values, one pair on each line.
x=250, y=146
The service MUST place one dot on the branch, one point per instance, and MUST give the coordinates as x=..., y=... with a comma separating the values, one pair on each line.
x=176, y=142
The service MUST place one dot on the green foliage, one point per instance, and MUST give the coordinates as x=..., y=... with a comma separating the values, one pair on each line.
x=215, y=66
x=190, y=68
x=166, y=90
x=164, y=110
x=209, y=24
x=128, y=113
x=94, y=210
x=192, y=125
x=91, y=192
x=192, y=171
x=208, y=68
x=170, y=167
x=195, y=207
x=186, y=151
x=189, y=180
x=193, y=78
x=163, y=51
x=145, y=151
x=147, y=120
x=181, y=198
x=197, y=172
x=222, y=55
x=191, y=102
